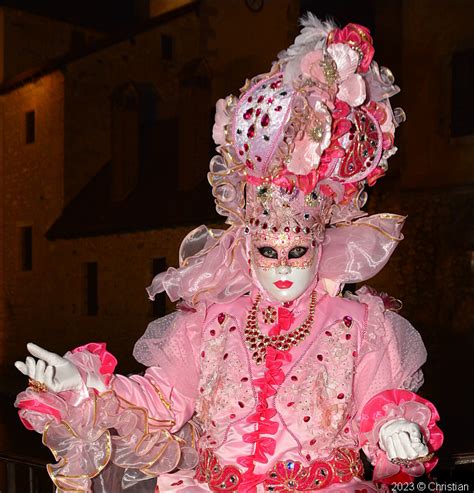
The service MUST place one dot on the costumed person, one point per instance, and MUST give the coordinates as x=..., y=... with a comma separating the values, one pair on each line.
x=266, y=378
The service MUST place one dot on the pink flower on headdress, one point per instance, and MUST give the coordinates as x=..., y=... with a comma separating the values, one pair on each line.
x=311, y=143
x=351, y=85
x=358, y=38
x=337, y=66
x=311, y=65
x=221, y=120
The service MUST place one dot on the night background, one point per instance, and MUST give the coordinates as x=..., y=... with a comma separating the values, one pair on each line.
x=106, y=111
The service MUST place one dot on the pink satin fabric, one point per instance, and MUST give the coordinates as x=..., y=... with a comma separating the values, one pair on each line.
x=214, y=264
x=298, y=408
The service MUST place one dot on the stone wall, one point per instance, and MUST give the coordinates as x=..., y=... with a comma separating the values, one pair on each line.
x=29, y=40
x=33, y=196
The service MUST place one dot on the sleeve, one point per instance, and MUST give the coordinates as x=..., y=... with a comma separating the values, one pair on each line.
x=140, y=426
x=391, y=353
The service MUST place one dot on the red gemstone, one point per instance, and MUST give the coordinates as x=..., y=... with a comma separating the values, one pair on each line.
x=328, y=333
x=221, y=318
x=177, y=483
x=287, y=229
x=260, y=99
x=347, y=321
x=244, y=379
x=251, y=132
x=308, y=457
x=249, y=99
x=248, y=113
x=278, y=108
x=246, y=147
x=232, y=329
x=346, y=430
x=320, y=357
x=232, y=416
x=306, y=419
x=290, y=404
x=354, y=353
x=259, y=159
x=203, y=354
x=212, y=332
x=270, y=100
x=348, y=336
x=340, y=396
x=264, y=226
x=297, y=229
x=241, y=404
x=249, y=164
x=201, y=390
x=241, y=152
x=226, y=355
x=257, y=113
x=213, y=423
x=312, y=441
x=265, y=120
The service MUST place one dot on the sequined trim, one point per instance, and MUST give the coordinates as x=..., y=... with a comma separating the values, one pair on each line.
x=285, y=476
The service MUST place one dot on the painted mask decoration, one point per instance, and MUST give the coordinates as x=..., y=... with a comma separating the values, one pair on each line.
x=284, y=264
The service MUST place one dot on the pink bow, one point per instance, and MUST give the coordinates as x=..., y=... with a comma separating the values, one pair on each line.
x=285, y=319
x=281, y=180
x=306, y=183
x=263, y=447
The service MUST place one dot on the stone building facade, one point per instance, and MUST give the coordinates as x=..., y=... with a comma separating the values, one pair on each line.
x=103, y=165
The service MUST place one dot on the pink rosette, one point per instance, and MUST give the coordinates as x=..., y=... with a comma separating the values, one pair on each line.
x=351, y=86
x=359, y=39
x=395, y=404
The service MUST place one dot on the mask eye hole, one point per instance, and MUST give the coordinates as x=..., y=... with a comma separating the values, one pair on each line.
x=268, y=252
x=297, y=252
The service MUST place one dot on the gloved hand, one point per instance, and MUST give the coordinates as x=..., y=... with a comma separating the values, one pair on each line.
x=402, y=439
x=54, y=371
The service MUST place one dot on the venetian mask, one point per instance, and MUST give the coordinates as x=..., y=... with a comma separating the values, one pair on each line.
x=284, y=264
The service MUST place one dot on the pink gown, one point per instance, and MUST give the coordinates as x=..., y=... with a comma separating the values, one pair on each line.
x=206, y=417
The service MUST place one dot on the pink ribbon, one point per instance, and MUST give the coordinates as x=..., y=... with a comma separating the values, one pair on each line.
x=281, y=180
x=285, y=319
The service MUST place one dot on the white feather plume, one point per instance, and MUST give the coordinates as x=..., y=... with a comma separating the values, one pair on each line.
x=313, y=36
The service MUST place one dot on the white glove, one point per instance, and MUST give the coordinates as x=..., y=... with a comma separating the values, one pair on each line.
x=54, y=371
x=402, y=439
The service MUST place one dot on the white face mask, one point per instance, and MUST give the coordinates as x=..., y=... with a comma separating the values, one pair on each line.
x=282, y=269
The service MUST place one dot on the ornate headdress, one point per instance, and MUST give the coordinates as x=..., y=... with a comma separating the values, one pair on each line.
x=303, y=140
x=294, y=154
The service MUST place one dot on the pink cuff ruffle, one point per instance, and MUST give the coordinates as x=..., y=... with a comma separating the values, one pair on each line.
x=396, y=404
x=76, y=427
x=107, y=364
